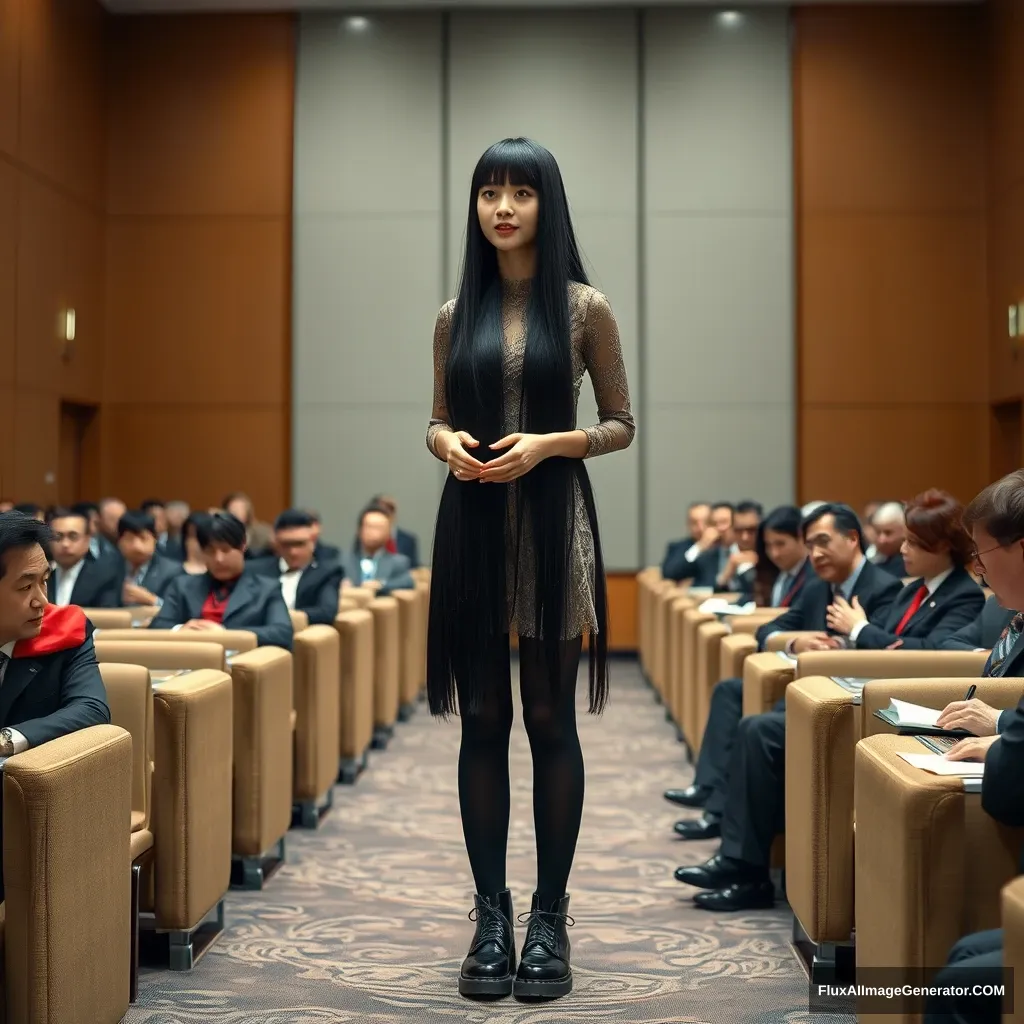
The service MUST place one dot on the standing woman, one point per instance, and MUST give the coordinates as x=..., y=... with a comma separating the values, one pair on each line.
x=516, y=546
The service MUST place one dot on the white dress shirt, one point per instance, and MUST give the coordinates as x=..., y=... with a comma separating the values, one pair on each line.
x=933, y=584
x=289, y=583
x=20, y=743
x=66, y=580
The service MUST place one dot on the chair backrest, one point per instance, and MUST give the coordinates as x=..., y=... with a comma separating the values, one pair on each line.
x=109, y=618
x=67, y=870
x=160, y=655
x=130, y=698
x=230, y=639
x=300, y=621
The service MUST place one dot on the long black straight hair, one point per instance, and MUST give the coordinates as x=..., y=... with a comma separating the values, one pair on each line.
x=476, y=545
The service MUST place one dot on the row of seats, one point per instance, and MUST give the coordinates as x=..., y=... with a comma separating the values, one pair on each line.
x=216, y=748
x=881, y=859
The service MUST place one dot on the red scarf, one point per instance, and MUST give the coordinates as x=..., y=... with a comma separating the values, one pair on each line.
x=63, y=628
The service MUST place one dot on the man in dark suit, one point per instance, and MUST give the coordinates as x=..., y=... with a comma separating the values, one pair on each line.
x=737, y=576
x=890, y=530
x=982, y=633
x=372, y=560
x=746, y=761
x=147, y=573
x=50, y=684
x=703, y=561
x=696, y=520
x=226, y=597
x=80, y=578
x=996, y=522
x=307, y=584
x=322, y=551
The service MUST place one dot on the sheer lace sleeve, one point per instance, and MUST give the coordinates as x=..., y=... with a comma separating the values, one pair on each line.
x=602, y=355
x=442, y=341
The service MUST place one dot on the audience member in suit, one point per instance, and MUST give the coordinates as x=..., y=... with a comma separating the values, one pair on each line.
x=6, y=506
x=890, y=528
x=322, y=552
x=746, y=756
x=158, y=510
x=737, y=576
x=996, y=521
x=226, y=597
x=696, y=521
x=867, y=522
x=984, y=631
x=147, y=573
x=177, y=512
x=932, y=608
x=373, y=561
x=307, y=584
x=703, y=561
x=781, y=573
x=258, y=535
x=79, y=578
x=50, y=684
x=110, y=512
x=99, y=546
x=193, y=561
x=32, y=510
x=400, y=542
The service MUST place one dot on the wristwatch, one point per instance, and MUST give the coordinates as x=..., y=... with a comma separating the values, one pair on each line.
x=6, y=743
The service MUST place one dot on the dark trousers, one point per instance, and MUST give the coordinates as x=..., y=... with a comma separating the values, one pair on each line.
x=716, y=746
x=755, y=805
x=975, y=960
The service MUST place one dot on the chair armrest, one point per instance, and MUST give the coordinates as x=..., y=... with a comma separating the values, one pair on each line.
x=892, y=664
x=734, y=651
x=765, y=678
x=1013, y=938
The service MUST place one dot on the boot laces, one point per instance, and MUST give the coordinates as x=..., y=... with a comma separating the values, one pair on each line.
x=490, y=921
x=541, y=927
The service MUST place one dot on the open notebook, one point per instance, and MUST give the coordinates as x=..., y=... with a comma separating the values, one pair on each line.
x=719, y=606
x=909, y=717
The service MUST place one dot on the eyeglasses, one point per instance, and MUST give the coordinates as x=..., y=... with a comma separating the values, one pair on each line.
x=976, y=554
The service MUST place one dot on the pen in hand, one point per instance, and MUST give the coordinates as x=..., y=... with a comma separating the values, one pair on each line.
x=970, y=691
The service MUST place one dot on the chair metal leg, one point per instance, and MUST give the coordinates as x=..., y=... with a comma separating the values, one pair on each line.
x=133, y=973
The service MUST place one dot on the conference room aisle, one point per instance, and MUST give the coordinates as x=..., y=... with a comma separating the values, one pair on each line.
x=367, y=920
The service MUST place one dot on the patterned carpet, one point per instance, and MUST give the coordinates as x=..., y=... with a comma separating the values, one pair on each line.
x=367, y=920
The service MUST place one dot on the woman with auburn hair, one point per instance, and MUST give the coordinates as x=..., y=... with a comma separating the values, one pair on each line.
x=941, y=600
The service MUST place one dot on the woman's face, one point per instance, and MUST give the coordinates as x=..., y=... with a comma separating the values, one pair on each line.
x=784, y=550
x=508, y=215
x=920, y=562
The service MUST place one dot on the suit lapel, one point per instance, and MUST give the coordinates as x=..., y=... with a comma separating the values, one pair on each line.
x=16, y=679
x=239, y=597
x=85, y=585
x=196, y=592
x=308, y=581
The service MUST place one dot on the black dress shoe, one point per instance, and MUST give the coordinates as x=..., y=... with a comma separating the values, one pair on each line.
x=490, y=966
x=741, y=896
x=708, y=827
x=692, y=796
x=716, y=873
x=544, y=970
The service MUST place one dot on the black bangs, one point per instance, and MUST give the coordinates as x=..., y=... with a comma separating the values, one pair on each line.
x=515, y=161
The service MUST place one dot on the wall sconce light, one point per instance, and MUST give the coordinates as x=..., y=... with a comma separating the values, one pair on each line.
x=69, y=325
x=67, y=329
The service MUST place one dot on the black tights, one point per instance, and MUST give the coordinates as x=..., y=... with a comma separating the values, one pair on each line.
x=557, y=769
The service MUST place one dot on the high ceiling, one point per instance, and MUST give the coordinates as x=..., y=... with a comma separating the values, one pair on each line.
x=367, y=6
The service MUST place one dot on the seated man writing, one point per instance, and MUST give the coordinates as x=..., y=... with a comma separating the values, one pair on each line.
x=225, y=596
x=50, y=684
x=308, y=583
x=833, y=535
x=755, y=798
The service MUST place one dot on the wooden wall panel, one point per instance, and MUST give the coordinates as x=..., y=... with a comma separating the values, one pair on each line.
x=198, y=269
x=8, y=268
x=622, y=612
x=889, y=118
x=10, y=42
x=1006, y=196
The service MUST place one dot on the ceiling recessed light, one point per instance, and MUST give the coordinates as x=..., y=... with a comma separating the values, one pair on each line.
x=357, y=23
x=730, y=19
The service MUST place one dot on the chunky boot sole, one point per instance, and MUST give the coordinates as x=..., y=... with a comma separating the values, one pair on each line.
x=493, y=987
x=528, y=989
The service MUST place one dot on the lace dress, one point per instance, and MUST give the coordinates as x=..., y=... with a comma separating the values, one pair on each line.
x=595, y=350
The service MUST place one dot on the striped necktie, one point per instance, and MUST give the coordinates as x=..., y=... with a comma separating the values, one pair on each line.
x=1004, y=644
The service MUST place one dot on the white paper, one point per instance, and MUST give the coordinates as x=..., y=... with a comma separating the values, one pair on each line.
x=913, y=714
x=939, y=765
x=719, y=606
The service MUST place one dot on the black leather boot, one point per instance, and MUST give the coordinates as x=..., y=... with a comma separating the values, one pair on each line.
x=544, y=971
x=490, y=966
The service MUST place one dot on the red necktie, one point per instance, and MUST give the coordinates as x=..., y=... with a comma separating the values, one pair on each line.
x=391, y=546
x=914, y=605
